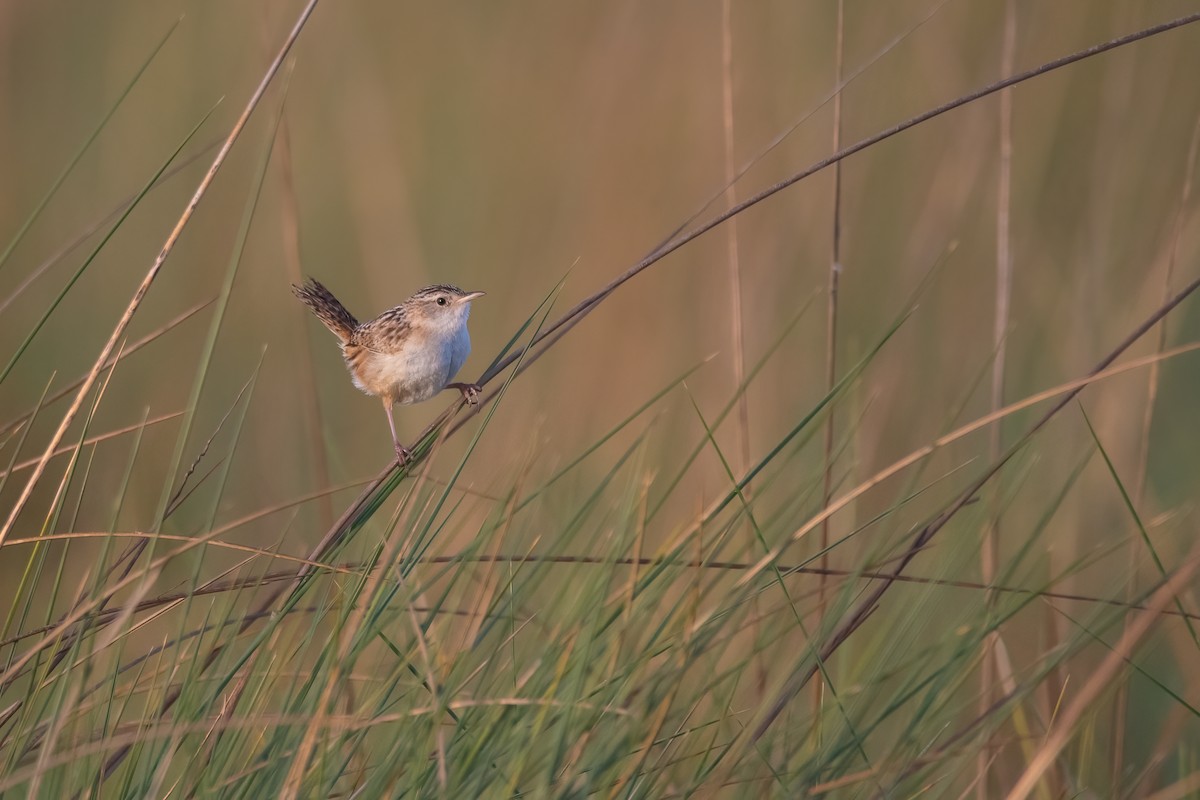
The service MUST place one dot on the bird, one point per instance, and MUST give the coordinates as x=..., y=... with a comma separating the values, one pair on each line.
x=408, y=353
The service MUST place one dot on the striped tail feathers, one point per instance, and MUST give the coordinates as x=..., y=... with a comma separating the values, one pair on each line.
x=329, y=310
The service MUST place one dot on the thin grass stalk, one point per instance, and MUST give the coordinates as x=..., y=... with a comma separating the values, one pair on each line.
x=1065, y=726
x=733, y=262
x=49, y=524
x=83, y=148
x=590, y=303
x=313, y=563
x=637, y=562
x=169, y=245
x=745, y=503
x=76, y=614
x=1152, y=377
x=1165, y=745
x=424, y=539
x=757, y=367
x=131, y=556
x=554, y=331
x=804, y=117
x=125, y=352
x=348, y=635
x=948, y=743
x=289, y=236
x=70, y=246
x=186, y=488
x=831, y=326
x=209, y=346
x=140, y=294
x=989, y=550
x=289, y=240
x=868, y=605
x=232, y=698
x=1133, y=512
x=696, y=565
x=134, y=552
x=1013, y=694
x=732, y=258
x=1121, y=702
x=236, y=435
x=377, y=492
x=94, y=439
x=87, y=262
x=1187, y=786
x=1140, y=671
x=29, y=573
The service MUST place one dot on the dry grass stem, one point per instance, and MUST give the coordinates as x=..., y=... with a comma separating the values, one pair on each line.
x=1064, y=727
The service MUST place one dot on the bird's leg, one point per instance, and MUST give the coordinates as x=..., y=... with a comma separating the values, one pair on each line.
x=470, y=391
x=402, y=452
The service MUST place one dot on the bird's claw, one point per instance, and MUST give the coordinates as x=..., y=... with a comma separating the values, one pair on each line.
x=470, y=392
x=403, y=454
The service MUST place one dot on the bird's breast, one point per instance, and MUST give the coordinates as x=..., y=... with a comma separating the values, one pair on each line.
x=412, y=373
x=459, y=348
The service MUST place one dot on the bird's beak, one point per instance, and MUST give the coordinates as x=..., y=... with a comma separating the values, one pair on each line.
x=469, y=296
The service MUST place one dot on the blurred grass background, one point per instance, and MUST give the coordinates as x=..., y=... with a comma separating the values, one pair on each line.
x=501, y=146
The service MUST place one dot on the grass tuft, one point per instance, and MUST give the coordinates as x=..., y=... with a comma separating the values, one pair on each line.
x=570, y=589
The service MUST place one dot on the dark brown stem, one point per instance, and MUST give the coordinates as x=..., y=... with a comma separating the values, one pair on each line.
x=585, y=306
x=859, y=615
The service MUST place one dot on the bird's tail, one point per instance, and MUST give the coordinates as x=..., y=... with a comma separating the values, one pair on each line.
x=327, y=308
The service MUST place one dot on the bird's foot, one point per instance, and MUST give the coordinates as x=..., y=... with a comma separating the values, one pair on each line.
x=403, y=454
x=470, y=391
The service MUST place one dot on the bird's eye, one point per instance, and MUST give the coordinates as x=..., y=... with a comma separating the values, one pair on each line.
x=441, y=301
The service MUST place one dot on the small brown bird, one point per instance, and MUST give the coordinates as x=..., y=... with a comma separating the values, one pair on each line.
x=407, y=354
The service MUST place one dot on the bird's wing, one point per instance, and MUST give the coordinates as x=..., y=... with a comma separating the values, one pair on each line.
x=384, y=334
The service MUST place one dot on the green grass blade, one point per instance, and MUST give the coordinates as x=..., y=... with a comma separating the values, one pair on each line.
x=96, y=251
x=83, y=148
x=218, y=318
x=1137, y=520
